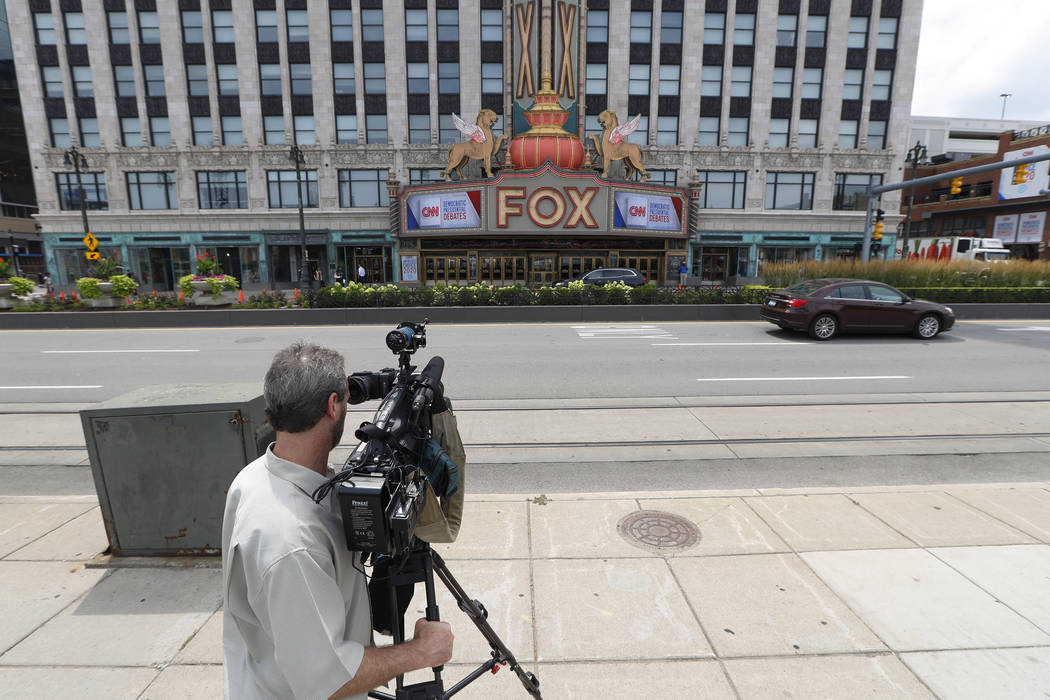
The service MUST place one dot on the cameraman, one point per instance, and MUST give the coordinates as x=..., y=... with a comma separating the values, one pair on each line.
x=296, y=617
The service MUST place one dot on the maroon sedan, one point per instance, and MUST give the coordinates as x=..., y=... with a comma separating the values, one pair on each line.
x=826, y=307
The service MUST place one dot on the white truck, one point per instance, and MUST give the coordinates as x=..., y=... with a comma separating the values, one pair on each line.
x=957, y=248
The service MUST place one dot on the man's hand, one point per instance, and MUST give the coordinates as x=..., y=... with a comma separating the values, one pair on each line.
x=433, y=642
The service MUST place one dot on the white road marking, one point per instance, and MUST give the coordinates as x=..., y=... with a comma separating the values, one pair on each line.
x=83, y=386
x=1026, y=328
x=796, y=379
x=69, y=352
x=623, y=331
x=718, y=344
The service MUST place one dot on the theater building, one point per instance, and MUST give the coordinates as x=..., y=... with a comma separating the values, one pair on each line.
x=759, y=123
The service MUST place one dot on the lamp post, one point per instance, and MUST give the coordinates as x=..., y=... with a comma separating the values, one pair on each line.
x=1004, y=95
x=14, y=252
x=74, y=158
x=296, y=154
x=916, y=155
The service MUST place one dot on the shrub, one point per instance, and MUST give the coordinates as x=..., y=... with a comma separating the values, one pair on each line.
x=23, y=286
x=123, y=285
x=104, y=268
x=216, y=284
x=88, y=287
x=5, y=269
x=915, y=273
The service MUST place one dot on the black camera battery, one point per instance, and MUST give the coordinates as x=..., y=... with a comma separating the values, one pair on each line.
x=363, y=502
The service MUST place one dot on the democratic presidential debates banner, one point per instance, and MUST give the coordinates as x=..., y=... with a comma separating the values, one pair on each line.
x=444, y=210
x=648, y=211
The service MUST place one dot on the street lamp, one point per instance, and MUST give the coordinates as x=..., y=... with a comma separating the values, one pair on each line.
x=74, y=158
x=1004, y=95
x=916, y=156
x=296, y=154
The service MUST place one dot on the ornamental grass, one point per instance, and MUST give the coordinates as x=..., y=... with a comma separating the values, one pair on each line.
x=914, y=273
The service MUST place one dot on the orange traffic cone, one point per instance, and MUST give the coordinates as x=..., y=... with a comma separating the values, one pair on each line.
x=154, y=293
x=240, y=296
x=74, y=296
x=62, y=296
x=127, y=299
x=182, y=297
x=296, y=292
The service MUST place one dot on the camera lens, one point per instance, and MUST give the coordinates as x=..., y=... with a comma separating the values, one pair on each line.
x=358, y=389
x=399, y=339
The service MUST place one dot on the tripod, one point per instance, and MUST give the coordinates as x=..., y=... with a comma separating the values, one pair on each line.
x=419, y=565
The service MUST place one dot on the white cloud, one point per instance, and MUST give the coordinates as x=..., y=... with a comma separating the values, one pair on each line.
x=970, y=51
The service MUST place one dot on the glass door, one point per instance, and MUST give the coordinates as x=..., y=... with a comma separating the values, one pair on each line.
x=649, y=266
x=541, y=269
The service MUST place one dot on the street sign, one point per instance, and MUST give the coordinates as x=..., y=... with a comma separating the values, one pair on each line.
x=92, y=255
x=91, y=242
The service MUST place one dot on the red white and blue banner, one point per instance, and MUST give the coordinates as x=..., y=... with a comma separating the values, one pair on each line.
x=443, y=210
x=648, y=211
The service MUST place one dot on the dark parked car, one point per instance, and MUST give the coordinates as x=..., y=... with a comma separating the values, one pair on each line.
x=605, y=275
x=826, y=307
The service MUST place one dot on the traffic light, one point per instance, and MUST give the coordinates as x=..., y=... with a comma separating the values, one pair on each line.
x=879, y=228
x=1021, y=174
x=956, y=185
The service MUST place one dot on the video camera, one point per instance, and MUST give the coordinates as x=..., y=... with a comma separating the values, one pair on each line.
x=382, y=487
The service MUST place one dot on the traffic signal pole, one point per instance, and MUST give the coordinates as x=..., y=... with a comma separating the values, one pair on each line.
x=873, y=192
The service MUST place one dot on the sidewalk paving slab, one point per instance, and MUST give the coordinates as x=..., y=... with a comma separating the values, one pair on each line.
x=72, y=682
x=984, y=673
x=825, y=521
x=22, y=523
x=852, y=676
x=77, y=540
x=31, y=593
x=727, y=525
x=1024, y=508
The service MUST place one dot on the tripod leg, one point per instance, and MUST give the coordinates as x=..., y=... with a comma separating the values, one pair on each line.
x=432, y=606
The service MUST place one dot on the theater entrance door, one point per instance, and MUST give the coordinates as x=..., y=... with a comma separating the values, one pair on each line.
x=541, y=269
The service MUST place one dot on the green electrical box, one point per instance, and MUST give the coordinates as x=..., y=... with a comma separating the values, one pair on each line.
x=163, y=458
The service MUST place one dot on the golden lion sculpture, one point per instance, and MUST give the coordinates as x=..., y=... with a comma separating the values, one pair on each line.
x=613, y=147
x=480, y=146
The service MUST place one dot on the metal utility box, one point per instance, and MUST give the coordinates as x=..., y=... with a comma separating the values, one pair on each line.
x=163, y=458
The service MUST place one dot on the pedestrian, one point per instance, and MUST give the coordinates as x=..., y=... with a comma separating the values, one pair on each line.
x=683, y=273
x=361, y=273
x=340, y=277
x=49, y=288
x=318, y=279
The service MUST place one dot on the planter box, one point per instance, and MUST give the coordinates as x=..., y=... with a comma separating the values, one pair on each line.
x=225, y=298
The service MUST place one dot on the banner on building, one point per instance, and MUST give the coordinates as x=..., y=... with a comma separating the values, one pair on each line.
x=1006, y=228
x=444, y=210
x=1038, y=174
x=653, y=212
x=409, y=268
x=1030, y=228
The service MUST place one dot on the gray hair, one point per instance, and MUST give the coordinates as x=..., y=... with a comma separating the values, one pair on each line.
x=298, y=384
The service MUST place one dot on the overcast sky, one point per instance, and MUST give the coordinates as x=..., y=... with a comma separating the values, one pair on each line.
x=970, y=51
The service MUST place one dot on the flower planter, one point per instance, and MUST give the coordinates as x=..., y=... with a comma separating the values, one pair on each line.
x=106, y=300
x=225, y=298
x=7, y=298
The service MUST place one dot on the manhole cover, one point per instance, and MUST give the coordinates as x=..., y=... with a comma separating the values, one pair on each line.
x=659, y=531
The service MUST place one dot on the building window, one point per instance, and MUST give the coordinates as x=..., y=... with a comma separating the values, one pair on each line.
x=492, y=25
x=118, y=28
x=887, y=33
x=597, y=26
x=851, y=188
x=722, y=189
x=876, y=135
x=375, y=128
x=222, y=26
x=82, y=86
x=270, y=78
x=45, y=28
x=154, y=78
x=89, y=132
x=222, y=189
x=744, y=29
x=848, y=133
x=202, y=133
x=302, y=83
x=597, y=75
x=448, y=25
x=416, y=25
x=783, y=79
x=787, y=25
x=778, y=132
x=375, y=79
x=666, y=131
x=447, y=131
x=149, y=28
x=284, y=190
x=668, y=178
x=670, y=76
x=159, y=131
x=197, y=79
x=807, y=133
x=154, y=190
x=192, y=27
x=640, y=135
x=273, y=130
x=123, y=78
x=232, y=134
x=492, y=78
x=858, y=33
x=60, y=133
x=363, y=188
x=789, y=190
x=448, y=78
x=881, y=80
x=812, y=78
x=342, y=25
x=419, y=128
x=298, y=25
x=741, y=86
x=227, y=73
x=707, y=135
x=304, y=129
x=343, y=75
x=852, y=82
x=94, y=189
x=591, y=125
x=52, y=77
x=641, y=27
x=638, y=82
x=714, y=28
x=425, y=176
x=711, y=81
x=266, y=26
x=371, y=25
x=75, y=33
x=671, y=28
x=816, y=29
x=130, y=132
x=346, y=128
x=419, y=78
